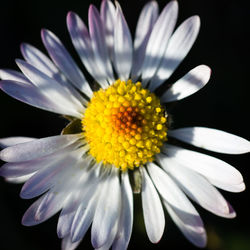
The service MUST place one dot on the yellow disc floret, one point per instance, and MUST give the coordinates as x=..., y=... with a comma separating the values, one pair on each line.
x=124, y=125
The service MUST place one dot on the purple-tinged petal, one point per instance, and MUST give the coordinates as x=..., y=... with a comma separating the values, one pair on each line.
x=123, y=52
x=108, y=14
x=11, y=141
x=97, y=35
x=126, y=219
x=146, y=21
x=179, y=45
x=103, y=223
x=51, y=175
x=40, y=61
x=81, y=40
x=68, y=245
x=208, y=166
x=13, y=75
x=64, y=61
x=35, y=149
x=158, y=40
x=30, y=94
x=50, y=88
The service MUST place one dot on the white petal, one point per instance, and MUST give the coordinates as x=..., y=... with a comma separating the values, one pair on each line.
x=100, y=49
x=64, y=224
x=122, y=46
x=107, y=211
x=84, y=187
x=212, y=139
x=51, y=175
x=82, y=43
x=17, y=169
x=228, y=187
x=13, y=75
x=146, y=21
x=34, y=149
x=192, y=82
x=39, y=60
x=41, y=210
x=169, y=190
x=152, y=209
x=158, y=40
x=210, y=167
x=108, y=18
x=83, y=218
x=30, y=94
x=179, y=45
x=18, y=180
x=68, y=245
x=11, y=141
x=190, y=225
x=126, y=219
x=64, y=61
x=49, y=87
x=196, y=187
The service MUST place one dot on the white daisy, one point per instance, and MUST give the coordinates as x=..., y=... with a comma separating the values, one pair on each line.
x=121, y=131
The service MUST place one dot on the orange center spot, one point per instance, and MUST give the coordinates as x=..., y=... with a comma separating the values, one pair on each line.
x=127, y=120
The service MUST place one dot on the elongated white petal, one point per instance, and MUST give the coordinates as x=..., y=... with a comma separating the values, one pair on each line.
x=81, y=40
x=49, y=87
x=152, y=209
x=122, y=46
x=228, y=187
x=47, y=177
x=18, y=180
x=179, y=45
x=11, y=141
x=68, y=245
x=212, y=139
x=104, y=221
x=189, y=224
x=126, y=219
x=34, y=149
x=158, y=40
x=64, y=224
x=30, y=94
x=208, y=166
x=100, y=49
x=83, y=218
x=13, y=75
x=64, y=61
x=41, y=210
x=169, y=190
x=39, y=60
x=85, y=212
x=146, y=21
x=196, y=187
x=108, y=14
x=16, y=169
x=192, y=82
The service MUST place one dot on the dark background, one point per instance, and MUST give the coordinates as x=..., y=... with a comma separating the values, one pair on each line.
x=223, y=44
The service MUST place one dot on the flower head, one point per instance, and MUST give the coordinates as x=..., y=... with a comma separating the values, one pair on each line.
x=118, y=132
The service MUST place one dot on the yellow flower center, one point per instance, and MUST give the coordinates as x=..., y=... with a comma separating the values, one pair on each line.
x=124, y=125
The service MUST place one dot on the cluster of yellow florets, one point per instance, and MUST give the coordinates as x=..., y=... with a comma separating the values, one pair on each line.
x=124, y=125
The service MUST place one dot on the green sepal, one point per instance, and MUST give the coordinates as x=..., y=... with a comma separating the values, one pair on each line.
x=74, y=127
x=136, y=181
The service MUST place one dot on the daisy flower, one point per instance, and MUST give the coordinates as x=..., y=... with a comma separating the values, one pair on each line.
x=119, y=139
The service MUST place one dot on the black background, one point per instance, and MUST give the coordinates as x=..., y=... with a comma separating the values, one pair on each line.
x=223, y=44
